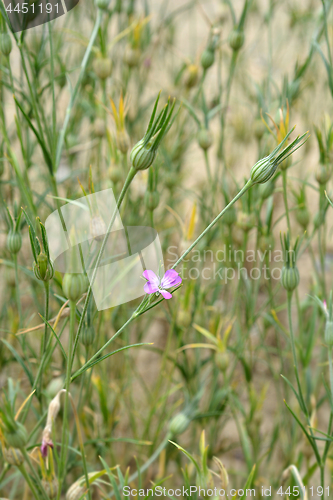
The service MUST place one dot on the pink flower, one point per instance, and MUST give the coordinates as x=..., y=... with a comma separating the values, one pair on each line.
x=156, y=284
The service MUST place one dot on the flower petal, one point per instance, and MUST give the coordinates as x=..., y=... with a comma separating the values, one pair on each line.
x=151, y=276
x=171, y=278
x=150, y=287
x=166, y=294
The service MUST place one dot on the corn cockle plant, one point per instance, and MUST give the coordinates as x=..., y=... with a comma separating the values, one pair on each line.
x=103, y=397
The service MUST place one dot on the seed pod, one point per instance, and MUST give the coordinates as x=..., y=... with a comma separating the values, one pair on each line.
x=73, y=286
x=141, y=156
x=230, y=217
x=222, y=360
x=13, y=456
x=102, y=4
x=303, y=217
x=99, y=127
x=179, y=424
x=123, y=142
x=207, y=58
x=17, y=438
x=51, y=487
x=102, y=67
x=329, y=333
x=290, y=278
x=205, y=139
x=152, y=199
x=323, y=174
x=5, y=44
x=115, y=174
x=87, y=336
x=236, y=39
x=191, y=75
x=14, y=241
x=131, y=57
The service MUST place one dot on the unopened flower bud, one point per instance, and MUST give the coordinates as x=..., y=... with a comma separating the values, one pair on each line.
x=329, y=333
x=142, y=156
x=236, y=39
x=13, y=456
x=18, y=437
x=207, y=58
x=179, y=424
x=5, y=44
x=263, y=170
x=290, y=278
x=266, y=190
x=205, y=139
x=102, y=4
x=303, y=217
x=102, y=67
x=152, y=199
x=73, y=286
x=87, y=336
x=222, y=360
x=43, y=269
x=14, y=241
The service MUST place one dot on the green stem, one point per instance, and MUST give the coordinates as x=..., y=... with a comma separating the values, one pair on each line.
x=44, y=338
x=28, y=481
x=241, y=192
x=130, y=177
x=65, y=437
x=34, y=473
x=285, y=198
x=17, y=291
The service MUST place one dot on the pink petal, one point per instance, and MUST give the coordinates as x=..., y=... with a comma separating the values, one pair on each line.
x=166, y=294
x=171, y=278
x=151, y=276
x=150, y=287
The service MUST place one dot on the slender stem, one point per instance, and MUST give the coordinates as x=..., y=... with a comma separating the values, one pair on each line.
x=34, y=473
x=17, y=291
x=65, y=437
x=285, y=198
x=44, y=338
x=28, y=481
x=241, y=192
x=130, y=177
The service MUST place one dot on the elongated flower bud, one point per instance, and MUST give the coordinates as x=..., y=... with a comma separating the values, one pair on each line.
x=142, y=157
x=205, y=139
x=265, y=168
x=75, y=491
x=73, y=286
x=87, y=336
x=51, y=487
x=290, y=278
x=236, y=39
x=14, y=241
x=179, y=424
x=103, y=67
x=207, y=58
x=5, y=44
